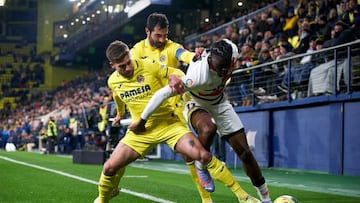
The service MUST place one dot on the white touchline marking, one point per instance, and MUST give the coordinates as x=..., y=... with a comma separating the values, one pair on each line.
x=313, y=188
x=135, y=176
x=142, y=195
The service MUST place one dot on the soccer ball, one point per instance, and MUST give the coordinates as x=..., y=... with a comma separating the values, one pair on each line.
x=286, y=199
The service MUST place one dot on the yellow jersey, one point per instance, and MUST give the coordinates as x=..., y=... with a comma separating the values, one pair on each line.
x=169, y=55
x=135, y=92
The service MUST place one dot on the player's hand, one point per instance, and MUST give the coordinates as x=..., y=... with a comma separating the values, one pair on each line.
x=138, y=126
x=116, y=120
x=176, y=84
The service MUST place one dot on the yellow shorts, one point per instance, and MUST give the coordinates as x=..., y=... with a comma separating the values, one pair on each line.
x=167, y=131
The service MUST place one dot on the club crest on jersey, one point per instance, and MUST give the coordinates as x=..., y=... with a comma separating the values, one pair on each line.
x=140, y=79
x=162, y=58
x=189, y=82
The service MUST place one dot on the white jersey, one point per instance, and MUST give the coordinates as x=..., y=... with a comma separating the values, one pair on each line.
x=204, y=84
x=207, y=93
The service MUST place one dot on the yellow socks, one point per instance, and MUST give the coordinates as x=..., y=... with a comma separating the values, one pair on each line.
x=107, y=184
x=119, y=174
x=221, y=173
x=205, y=195
x=105, y=187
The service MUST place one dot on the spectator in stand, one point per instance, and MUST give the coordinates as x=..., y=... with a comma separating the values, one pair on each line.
x=352, y=16
x=239, y=84
x=351, y=12
x=341, y=8
x=269, y=38
x=257, y=47
x=323, y=28
x=244, y=37
x=280, y=52
x=234, y=38
x=312, y=10
x=268, y=72
x=265, y=45
x=262, y=25
x=301, y=10
x=304, y=41
x=264, y=56
x=274, y=52
x=248, y=57
x=277, y=22
x=341, y=34
x=290, y=28
x=254, y=33
x=324, y=6
x=333, y=17
x=300, y=74
x=228, y=31
x=285, y=50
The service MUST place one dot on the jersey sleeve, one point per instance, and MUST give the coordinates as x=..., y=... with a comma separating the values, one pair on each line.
x=184, y=55
x=156, y=100
x=120, y=105
x=181, y=54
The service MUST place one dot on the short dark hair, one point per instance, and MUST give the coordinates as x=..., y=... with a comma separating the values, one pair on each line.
x=222, y=48
x=116, y=51
x=157, y=19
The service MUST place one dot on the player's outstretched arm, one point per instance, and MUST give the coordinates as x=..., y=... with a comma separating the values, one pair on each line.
x=157, y=99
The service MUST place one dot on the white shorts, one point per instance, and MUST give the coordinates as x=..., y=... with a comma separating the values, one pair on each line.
x=223, y=114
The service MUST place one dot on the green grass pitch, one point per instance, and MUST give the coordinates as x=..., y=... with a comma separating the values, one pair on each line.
x=34, y=178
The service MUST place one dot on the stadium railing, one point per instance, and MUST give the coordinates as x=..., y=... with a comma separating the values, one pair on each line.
x=288, y=82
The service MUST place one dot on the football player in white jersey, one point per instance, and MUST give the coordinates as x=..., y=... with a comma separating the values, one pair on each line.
x=207, y=109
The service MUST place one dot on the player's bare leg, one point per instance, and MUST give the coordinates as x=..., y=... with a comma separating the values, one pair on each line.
x=239, y=144
x=190, y=147
x=206, y=130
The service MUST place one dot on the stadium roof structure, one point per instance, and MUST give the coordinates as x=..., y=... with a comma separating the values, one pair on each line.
x=98, y=23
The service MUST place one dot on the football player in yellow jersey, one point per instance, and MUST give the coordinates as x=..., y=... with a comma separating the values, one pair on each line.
x=133, y=83
x=158, y=47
